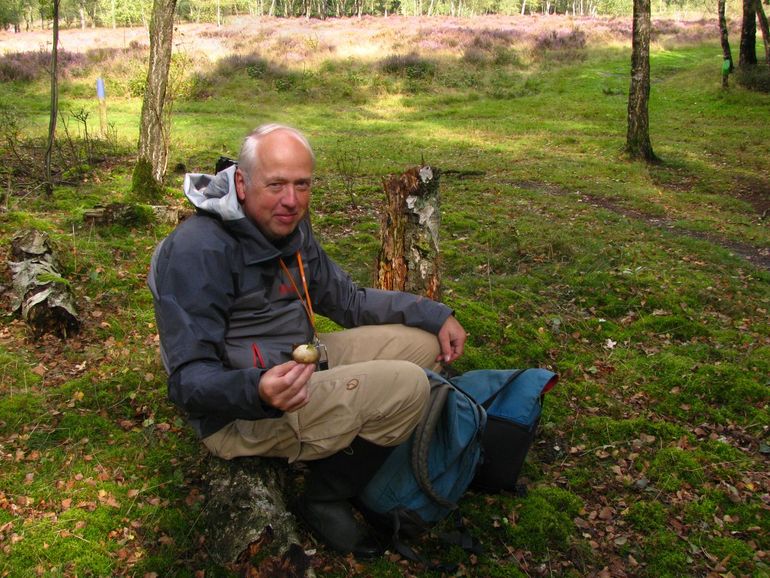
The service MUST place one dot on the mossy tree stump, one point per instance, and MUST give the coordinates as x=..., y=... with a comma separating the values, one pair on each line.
x=409, y=235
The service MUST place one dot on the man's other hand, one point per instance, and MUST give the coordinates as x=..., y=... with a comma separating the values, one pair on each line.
x=284, y=386
x=451, y=338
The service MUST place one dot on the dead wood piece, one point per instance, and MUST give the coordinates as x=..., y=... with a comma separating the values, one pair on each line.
x=246, y=506
x=118, y=214
x=409, y=253
x=41, y=295
x=165, y=214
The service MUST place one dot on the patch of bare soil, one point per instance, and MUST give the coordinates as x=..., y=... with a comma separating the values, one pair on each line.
x=756, y=192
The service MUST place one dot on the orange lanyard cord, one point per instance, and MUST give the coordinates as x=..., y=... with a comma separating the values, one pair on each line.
x=306, y=301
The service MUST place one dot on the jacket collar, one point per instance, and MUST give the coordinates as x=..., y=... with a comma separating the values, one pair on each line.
x=257, y=248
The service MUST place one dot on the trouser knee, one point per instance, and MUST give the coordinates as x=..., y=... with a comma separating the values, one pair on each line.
x=402, y=406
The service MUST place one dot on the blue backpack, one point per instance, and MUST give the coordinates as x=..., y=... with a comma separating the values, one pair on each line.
x=422, y=480
x=513, y=400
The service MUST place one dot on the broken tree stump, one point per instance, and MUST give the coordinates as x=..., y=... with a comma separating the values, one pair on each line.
x=409, y=253
x=246, y=511
x=41, y=295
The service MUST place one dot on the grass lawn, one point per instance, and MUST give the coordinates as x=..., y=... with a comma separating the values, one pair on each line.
x=647, y=288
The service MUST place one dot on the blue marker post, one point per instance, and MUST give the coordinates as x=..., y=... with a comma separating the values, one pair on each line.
x=101, y=95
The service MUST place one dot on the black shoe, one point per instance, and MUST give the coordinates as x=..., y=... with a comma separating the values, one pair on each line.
x=335, y=524
x=330, y=485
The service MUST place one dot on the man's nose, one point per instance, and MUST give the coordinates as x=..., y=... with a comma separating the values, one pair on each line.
x=289, y=197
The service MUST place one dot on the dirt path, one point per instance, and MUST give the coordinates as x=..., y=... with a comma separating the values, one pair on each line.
x=757, y=256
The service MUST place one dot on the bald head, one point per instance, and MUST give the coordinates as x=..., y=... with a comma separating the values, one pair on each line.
x=249, y=156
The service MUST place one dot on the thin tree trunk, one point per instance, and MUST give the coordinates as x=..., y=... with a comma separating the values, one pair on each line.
x=154, y=130
x=762, y=19
x=727, y=55
x=748, y=51
x=638, y=143
x=54, y=99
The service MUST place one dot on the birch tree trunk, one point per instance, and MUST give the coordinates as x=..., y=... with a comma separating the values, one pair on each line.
x=54, y=100
x=638, y=144
x=154, y=130
x=727, y=54
x=723, y=35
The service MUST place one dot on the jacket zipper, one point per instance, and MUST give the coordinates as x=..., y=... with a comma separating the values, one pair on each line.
x=258, y=360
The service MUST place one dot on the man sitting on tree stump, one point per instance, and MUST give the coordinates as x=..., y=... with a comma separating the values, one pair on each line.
x=235, y=289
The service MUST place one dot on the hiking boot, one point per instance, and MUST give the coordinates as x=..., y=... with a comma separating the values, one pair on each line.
x=330, y=485
x=335, y=524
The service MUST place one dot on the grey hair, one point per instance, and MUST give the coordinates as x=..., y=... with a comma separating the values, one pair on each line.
x=248, y=155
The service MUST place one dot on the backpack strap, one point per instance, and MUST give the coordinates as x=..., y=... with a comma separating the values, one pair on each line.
x=459, y=537
x=423, y=434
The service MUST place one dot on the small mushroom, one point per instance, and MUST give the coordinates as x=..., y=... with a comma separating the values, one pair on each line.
x=305, y=353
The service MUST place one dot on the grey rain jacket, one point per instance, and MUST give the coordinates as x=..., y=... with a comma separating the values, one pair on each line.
x=226, y=312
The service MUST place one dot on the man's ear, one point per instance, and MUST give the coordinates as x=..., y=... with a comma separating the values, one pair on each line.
x=240, y=185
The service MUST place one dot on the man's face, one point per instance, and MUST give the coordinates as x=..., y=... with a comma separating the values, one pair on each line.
x=278, y=194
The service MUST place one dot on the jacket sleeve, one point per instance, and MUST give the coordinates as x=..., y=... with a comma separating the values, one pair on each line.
x=191, y=313
x=336, y=296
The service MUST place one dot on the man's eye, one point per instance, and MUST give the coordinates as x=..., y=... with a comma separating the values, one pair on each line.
x=302, y=186
x=275, y=186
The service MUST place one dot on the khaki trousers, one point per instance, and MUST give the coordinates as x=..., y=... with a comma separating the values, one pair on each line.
x=374, y=388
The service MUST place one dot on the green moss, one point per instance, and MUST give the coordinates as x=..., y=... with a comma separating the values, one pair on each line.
x=672, y=467
x=647, y=517
x=144, y=187
x=737, y=554
x=19, y=408
x=666, y=556
x=544, y=520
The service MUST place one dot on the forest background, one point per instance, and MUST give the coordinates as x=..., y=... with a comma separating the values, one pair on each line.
x=28, y=14
x=644, y=286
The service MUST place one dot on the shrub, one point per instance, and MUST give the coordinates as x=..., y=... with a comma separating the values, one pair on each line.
x=29, y=66
x=571, y=41
x=410, y=65
x=756, y=78
x=253, y=64
x=474, y=55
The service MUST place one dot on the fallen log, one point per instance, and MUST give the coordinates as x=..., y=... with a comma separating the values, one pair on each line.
x=132, y=215
x=246, y=516
x=42, y=296
x=409, y=253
